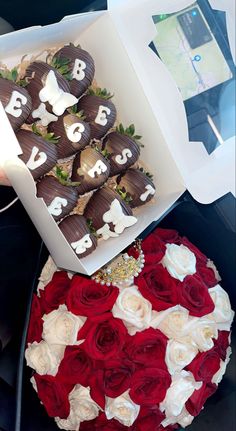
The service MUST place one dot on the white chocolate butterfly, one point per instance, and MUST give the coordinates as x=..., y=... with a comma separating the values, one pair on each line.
x=45, y=116
x=52, y=93
x=106, y=232
x=116, y=216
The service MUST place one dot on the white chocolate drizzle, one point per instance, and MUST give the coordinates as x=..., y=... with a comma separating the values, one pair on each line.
x=33, y=164
x=52, y=93
x=82, y=244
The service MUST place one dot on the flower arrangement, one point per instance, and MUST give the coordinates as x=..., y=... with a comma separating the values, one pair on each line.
x=140, y=355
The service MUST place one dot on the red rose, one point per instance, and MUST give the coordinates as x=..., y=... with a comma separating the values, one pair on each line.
x=222, y=344
x=207, y=275
x=149, y=418
x=75, y=367
x=153, y=249
x=149, y=386
x=167, y=235
x=101, y=423
x=53, y=395
x=87, y=298
x=104, y=336
x=116, y=376
x=195, y=297
x=205, y=365
x=55, y=292
x=35, y=327
x=147, y=348
x=196, y=402
x=157, y=285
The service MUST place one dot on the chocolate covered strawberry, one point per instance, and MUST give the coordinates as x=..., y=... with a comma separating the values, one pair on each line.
x=15, y=99
x=108, y=213
x=91, y=169
x=39, y=153
x=60, y=199
x=123, y=148
x=100, y=112
x=78, y=235
x=50, y=93
x=137, y=185
x=76, y=65
x=74, y=133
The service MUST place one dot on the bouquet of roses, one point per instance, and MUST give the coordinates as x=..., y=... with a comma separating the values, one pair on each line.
x=138, y=357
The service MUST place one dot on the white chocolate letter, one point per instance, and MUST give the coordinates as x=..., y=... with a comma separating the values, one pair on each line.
x=78, y=70
x=74, y=132
x=55, y=207
x=101, y=115
x=33, y=164
x=14, y=105
x=122, y=159
x=82, y=245
x=149, y=191
x=98, y=169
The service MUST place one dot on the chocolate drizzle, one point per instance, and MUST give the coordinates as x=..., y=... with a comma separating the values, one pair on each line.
x=100, y=203
x=50, y=189
x=88, y=171
x=62, y=127
x=6, y=95
x=90, y=105
x=123, y=152
x=39, y=155
x=137, y=186
x=78, y=235
x=73, y=53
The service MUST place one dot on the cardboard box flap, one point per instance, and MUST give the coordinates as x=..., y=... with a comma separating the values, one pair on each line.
x=133, y=21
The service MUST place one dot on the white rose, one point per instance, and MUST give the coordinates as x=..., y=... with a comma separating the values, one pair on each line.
x=178, y=355
x=122, y=408
x=133, y=309
x=223, y=314
x=203, y=332
x=212, y=266
x=69, y=424
x=179, y=261
x=61, y=327
x=46, y=274
x=223, y=365
x=34, y=384
x=44, y=359
x=184, y=419
x=174, y=322
x=182, y=387
x=82, y=406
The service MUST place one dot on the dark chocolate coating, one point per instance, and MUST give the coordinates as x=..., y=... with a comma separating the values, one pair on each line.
x=71, y=52
x=133, y=182
x=38, y=71
x=83, y=162
x=28, y=140
x=49, y=188
x=6, y=90
x=100, y=203
x=90, y=106
x=65, y=147
x=74, y=228
x=115, y=143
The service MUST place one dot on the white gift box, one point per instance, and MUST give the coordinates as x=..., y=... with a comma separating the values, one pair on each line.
x=146, y=95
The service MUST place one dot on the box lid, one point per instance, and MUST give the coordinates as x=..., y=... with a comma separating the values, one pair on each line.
x=207, y=177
